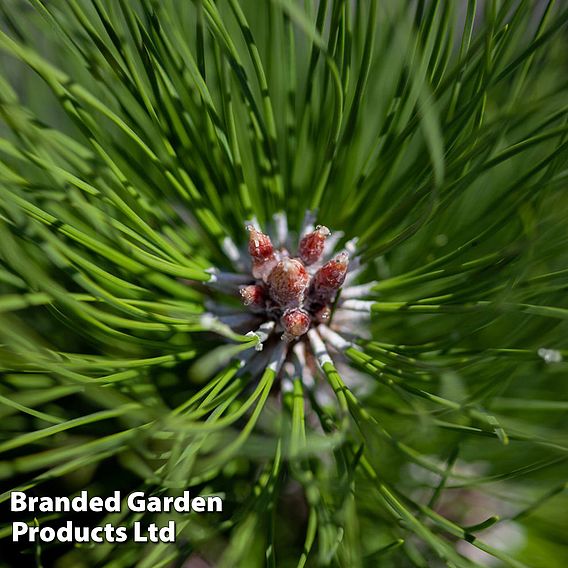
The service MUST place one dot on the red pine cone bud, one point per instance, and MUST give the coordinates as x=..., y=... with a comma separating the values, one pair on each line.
x=311, y=245
x=262, y=253
x=288, y=282
x=329, y=278
x=260, y=245
x=253, y=295
x=295, y=322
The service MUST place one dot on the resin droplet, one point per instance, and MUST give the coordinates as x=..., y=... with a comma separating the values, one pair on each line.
x=295, y=322
x=329, y=278
x=550, y=355
x=288, y=282
x=312, y=244
x=253, y=295
x=323, y=314
x=261, y=251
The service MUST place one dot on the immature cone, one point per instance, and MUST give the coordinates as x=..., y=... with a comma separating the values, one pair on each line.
x=261, y=251
x=329, y=278
x=288, y=282
x=295, y=322
x=253, y=295
x=311, y=245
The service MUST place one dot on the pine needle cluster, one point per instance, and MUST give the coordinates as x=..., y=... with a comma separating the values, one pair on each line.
x=424, y=424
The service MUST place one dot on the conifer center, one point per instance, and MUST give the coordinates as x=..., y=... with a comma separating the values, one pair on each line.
x=294, y=290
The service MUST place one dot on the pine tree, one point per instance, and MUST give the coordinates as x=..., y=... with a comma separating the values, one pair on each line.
x=307, y=256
